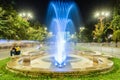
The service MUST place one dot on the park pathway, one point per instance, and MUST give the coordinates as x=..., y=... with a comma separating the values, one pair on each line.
x=109, y=50
x=4, y=53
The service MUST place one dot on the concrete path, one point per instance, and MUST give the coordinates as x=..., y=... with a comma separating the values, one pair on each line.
x=114, y=51
x=4, y=53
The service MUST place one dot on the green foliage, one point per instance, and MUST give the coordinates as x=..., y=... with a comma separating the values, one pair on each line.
x=20, y=27
x=39, y=33
x=84, y=35
x=98, y=32
x=116, y=35
x=115, y=23
x=11, y=25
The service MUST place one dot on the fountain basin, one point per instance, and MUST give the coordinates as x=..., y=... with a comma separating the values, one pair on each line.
x=75, y=65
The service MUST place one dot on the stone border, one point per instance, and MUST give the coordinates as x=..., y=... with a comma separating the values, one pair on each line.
x=28, y=71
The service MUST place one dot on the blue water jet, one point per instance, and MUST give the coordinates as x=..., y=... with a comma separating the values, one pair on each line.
x=61, y=18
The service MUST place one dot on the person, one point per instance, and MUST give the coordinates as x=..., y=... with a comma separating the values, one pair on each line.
x=17, y=50
x=13, y=51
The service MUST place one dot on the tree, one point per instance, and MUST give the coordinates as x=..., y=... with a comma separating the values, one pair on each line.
x=98, y=32
x=115, y=23
x=39, y=34
x=85, y=35
x=12, y=26
x=116, y=36
x=2, y=21
x=20, y=27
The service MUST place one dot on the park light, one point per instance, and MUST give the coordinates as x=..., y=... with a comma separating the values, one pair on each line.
x=20, y=14
x=50, y=33
x=102, y=14
x=97, y=14
x=26, y=15
x=23, y=14
x=107, y=14
x=45, y=28
x=82, y=28
x=29, y=15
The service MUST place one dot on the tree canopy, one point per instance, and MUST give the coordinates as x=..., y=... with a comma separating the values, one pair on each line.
x=12, y=26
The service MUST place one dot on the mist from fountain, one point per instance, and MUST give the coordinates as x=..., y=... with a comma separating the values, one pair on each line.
x=61, y=19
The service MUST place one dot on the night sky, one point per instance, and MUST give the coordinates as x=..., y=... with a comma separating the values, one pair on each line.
x=86, y=8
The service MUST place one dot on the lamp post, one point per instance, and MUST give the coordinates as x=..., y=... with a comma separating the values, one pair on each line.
x=81, y=33
x=99, y=28
x=101, y=15
x=45, y=28
x=82, y=28
x=26, y=16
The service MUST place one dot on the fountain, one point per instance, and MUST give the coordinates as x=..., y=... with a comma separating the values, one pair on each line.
x=61, y=22
x=60, y=59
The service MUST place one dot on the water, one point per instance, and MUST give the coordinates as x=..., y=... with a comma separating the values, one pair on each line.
x=61, y=19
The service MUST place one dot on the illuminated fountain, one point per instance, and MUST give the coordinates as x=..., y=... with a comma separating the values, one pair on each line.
x=60, y=59
x=60, y=17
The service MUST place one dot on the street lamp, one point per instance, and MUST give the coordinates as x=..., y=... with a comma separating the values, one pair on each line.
x=82, y=28
x=45, y=28
x=101, y=15
x=99, y=28
x=50, y=34
x=26, y=16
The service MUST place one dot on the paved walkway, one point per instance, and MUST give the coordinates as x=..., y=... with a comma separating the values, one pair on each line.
x=4, y=53
x=114, y=51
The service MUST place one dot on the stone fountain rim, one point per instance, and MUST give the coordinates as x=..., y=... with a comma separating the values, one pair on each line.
x=76, y=71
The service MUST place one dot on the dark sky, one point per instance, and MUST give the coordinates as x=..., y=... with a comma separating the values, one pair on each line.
x=86, y=8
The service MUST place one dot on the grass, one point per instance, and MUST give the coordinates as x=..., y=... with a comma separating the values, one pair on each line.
x=113, y=75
